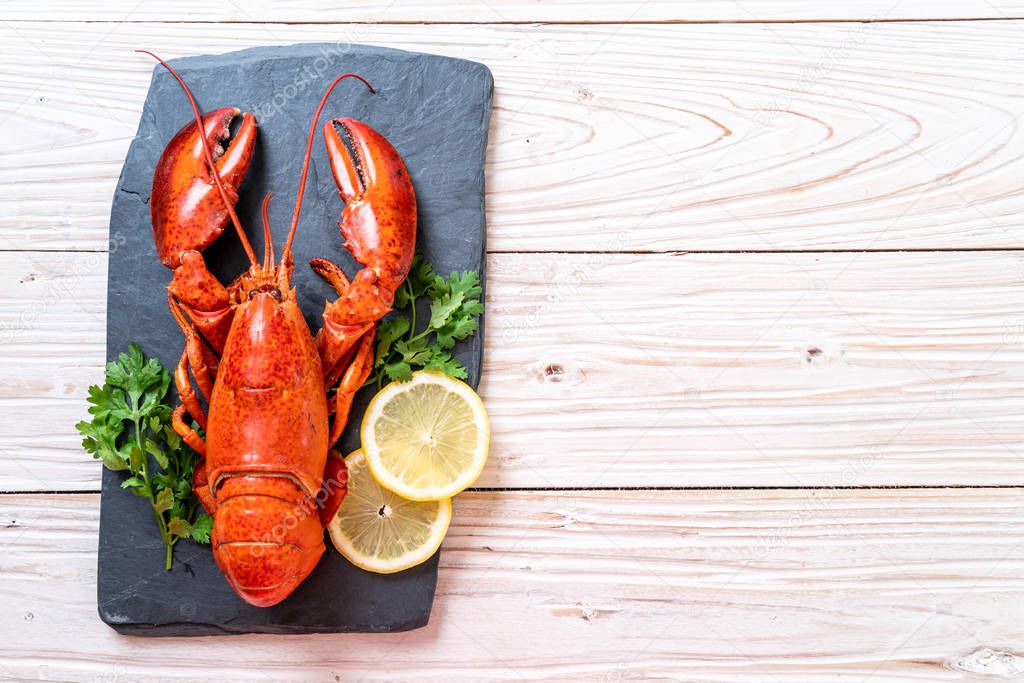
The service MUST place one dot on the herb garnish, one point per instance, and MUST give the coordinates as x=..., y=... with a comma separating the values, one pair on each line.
x=455, y=310
x=131, y=423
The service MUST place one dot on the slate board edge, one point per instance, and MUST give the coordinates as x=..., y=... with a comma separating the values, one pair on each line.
x=194, y=629
x=186, y=628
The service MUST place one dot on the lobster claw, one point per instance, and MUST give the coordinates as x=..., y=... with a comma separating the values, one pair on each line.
x=186, y=207
x=379, y=218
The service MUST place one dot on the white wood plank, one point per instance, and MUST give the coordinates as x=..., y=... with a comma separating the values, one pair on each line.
x=609, y=138
x=646, y=370
x=904, y=585
x=320, y=11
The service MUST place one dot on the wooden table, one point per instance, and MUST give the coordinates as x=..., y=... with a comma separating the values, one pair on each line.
x=754, y=340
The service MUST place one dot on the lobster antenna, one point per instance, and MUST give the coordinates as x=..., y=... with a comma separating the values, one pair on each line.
x=286, y=256
x=268, y=241
x=209, y=159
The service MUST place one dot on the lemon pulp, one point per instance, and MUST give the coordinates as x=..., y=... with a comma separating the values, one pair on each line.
x=380, y=531
x=426, y=439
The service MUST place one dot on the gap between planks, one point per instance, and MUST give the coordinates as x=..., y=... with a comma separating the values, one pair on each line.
x=527, y=22
x=630, y=489
x=633, y=252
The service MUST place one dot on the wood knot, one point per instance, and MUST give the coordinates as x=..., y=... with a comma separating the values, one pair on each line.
x=582, y=610
x=988, y=662
x=554, y=373
x=812, y=353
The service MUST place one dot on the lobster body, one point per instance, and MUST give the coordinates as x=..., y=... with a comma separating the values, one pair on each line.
x=268, y=412
x=266, y=448
x=278, y=397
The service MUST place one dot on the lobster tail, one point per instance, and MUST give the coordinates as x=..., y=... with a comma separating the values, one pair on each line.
x=267, y=536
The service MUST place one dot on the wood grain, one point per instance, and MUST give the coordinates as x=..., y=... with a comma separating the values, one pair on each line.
x=710, y=137
x=631, y=370
x=493, y=11
x=699, y=586
x=611, y=369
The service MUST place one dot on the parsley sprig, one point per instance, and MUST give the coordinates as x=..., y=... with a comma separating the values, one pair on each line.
x=131, y=430
x=455, y=309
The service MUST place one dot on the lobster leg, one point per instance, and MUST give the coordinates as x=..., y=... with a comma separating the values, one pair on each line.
x=200, y=480
x=189, y=397
x=336, y=339
x=190, y=405
x=203, y=298
x=335, y=486
x=194, y=349
x=193, y=358
x=355, y=375
x=186, y=432
x=332, y=272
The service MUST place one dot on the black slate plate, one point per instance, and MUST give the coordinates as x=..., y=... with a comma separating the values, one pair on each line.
x=435, y=111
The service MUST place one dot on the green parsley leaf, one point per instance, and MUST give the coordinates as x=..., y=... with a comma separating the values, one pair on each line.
x=179, y=527
x=201, y=528
x=468, y=283
x=100, y=441
x=399, y=371
x=144, y=381
x=163, y=500
x=415, y=352
x=130, y=431
x=388, y=332
x=472, y=308
x=405, y=344
x=442, y=360
x=442, y=310
x=456, y=330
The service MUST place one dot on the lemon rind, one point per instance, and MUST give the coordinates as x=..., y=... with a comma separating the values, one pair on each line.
x=422, y=495
x=411, y=559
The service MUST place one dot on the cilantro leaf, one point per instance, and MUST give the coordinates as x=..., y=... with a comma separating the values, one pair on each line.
x=472, y=308
x=442, y=310
x=179, y=527
x=456, y=330
x=455, y=308
x=443, y=361
x=404, y=295
x=130, y=431
x=468, y=283
x=144, y=381
x=415, y=352
x=163, y=500
x=201, y=528
x=101, y=441
x=399, y=371
x=388, y=332
x=423, y=278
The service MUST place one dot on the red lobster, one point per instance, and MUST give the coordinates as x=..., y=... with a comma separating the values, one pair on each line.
x=265, y=474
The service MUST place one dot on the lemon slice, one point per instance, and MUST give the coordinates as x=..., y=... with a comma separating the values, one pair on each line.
x=426, y=439
x=377, y=530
